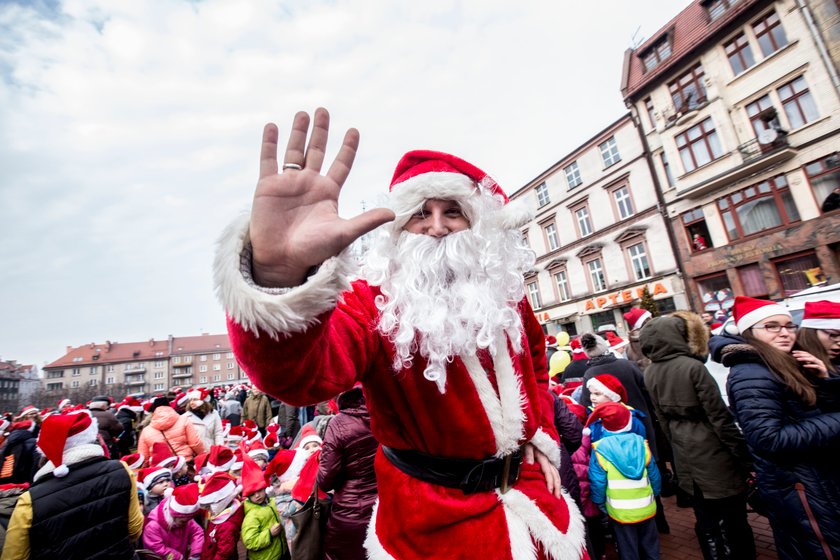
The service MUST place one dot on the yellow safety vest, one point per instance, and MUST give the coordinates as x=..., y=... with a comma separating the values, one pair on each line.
x=628, y=500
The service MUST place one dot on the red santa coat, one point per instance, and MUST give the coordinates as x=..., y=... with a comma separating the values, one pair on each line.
x=303, y=347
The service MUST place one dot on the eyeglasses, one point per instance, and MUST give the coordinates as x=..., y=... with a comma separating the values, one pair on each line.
x=834, y=336
x=791, y=328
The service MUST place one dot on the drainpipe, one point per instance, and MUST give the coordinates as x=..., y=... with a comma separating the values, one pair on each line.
x=815, y=33
x=660, y=198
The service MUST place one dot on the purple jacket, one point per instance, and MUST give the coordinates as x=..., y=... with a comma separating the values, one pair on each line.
x=580, y=461
x=160, y=538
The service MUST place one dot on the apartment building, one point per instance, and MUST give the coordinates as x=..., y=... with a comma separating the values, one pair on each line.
x=738, y=104
x=204, y=361
x=599, y=235
x=155, y=366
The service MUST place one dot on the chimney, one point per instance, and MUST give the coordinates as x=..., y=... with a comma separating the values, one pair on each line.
x=152, y=342
x=107, y=345
x=171, y=341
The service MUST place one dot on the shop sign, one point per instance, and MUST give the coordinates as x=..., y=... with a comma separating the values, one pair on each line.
x=623, y=296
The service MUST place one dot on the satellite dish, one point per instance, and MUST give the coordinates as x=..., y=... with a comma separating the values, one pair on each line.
x=767, y=136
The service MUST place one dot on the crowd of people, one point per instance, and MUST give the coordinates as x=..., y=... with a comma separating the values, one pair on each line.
x=439, y=432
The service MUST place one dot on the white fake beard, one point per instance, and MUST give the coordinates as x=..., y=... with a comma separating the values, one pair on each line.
x=298, y=461
x=449, y=296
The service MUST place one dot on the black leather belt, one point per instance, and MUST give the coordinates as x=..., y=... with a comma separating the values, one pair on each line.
x=468, y=475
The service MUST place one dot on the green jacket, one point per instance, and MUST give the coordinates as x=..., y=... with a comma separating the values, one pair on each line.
x=709, y=450
x=255, y=531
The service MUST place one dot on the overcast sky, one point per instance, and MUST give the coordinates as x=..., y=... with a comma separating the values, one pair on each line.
x=129, y=131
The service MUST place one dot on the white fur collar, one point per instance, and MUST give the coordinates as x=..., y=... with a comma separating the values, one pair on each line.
x=72, y=456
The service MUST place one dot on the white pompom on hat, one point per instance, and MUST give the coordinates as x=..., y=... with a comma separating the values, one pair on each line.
x=749, y=311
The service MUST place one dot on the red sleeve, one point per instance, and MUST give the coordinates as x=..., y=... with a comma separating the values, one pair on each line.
x=316, y=365
x=227, y=537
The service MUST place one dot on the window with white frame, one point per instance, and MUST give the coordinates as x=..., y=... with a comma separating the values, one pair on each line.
x=94, y=370
x=639, y=261
x=542, y=194
x=202, y=379
x=231, y=376
x=534, y=295
x=176, y=359
x=158, y=375
x=609, y=152
x=202, y=368
x=217, y=356
x=203, y=358
x=217, y=378
x=623, y=202
x=231, y=365
x=798, y=102
x=596, y=275
x=77, y=372
x=92, y=382
x=583, y=221
x=563, y=289
x=54, y=386
x=109, y=381
x=158, y=354
x=229, y=355
x=159, y=363
x=159, y=386
x=551, y=236
x=217, y=367
x=74, y=384
x=572, y=172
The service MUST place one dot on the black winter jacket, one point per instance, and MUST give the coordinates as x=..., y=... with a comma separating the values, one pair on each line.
x=83, y=515
x=346, y=465
x=571, y=434
x=126, y=418
x=796, y=448
x=19, y=458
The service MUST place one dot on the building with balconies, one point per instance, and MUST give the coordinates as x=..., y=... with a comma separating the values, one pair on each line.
x=204, y=361
x=599, y=235
x=739, y=107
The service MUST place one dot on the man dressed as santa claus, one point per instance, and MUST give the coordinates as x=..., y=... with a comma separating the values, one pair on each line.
x=438, y=331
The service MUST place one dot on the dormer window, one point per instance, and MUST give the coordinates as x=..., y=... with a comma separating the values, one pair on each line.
x=717, y=8
x=657, y=53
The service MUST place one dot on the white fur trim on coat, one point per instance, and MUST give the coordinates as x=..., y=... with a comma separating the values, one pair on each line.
x=277, y=314
x=373, y=546
x=546, y=444
x=521, y=510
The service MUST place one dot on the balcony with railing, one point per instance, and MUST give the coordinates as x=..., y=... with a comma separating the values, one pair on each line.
x=769, y=149
x=135, y=379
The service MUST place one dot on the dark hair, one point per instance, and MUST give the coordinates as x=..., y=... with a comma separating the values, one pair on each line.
x=588, y=341
x=784, y=366
x=808, y=340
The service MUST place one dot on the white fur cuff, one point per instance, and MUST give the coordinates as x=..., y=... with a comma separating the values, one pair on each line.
x=547, y=446
x=291, y=312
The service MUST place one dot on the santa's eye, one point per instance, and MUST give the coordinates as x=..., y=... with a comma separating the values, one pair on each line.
x=419, y=215
x=454, y=212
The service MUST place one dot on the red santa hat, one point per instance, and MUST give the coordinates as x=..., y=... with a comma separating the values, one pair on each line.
x=27, y=410
x=131, y=403
x=62, y=403
x=237, y=460
x=551, y=341
x=133, y=461
x=574, y=407
x=577, y=351
x=636, y=317
x=615, y=341
x=199, y=461
x=225, y=427
x=162, y=456
x=249, y=425
x=271, y=439
x=4, y=425
x=220, y=458
x=61, y=432
x=27, y=425
x=608, y=385
x=219, y=487
x=821, y=315
x=184, y=500
x=199, y=394
x=235, y=434
x=257, y=449
x=281, y=463
x=615, y=417
x=150, y=476
x=307, y=435
x=421, y=175
x=181, y=399
x=253, y=478
x=749, y=311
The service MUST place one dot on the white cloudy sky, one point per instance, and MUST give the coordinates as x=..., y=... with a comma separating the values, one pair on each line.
x=129, y=131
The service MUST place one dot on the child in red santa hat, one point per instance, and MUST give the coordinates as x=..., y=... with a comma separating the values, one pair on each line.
x=606, y=388
x=154, y=483
x=220, y=495
x=624, y=482
x=296, y=482
x=171, y=530
x=262, y=529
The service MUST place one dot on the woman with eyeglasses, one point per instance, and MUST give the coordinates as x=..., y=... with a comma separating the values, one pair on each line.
x=794, y=441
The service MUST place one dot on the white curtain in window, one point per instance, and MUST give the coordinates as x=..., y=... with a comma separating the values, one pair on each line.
x=758, y=215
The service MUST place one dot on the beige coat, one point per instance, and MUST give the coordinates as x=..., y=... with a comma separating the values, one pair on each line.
x=258, y=409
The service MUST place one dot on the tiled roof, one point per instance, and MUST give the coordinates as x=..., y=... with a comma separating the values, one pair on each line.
x=110, y=352
x=687, y=31
x=203, y=343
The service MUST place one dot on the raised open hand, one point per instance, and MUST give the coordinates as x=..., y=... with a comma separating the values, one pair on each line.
x=294, y=218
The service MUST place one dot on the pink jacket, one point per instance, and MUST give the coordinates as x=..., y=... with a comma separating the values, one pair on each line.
x=161, y=538
x=580, y=461
x=180, y=432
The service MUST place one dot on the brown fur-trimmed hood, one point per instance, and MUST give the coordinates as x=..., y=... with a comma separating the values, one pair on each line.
x=681, y=333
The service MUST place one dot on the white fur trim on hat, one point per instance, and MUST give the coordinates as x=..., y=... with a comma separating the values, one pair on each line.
x=291, y=312
x=258, y=453
x=308, y=439
x=224, y=493
x=183, y=509
x=833, y=324
x=756, y=315
x=220, y=468
x=596, y=384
